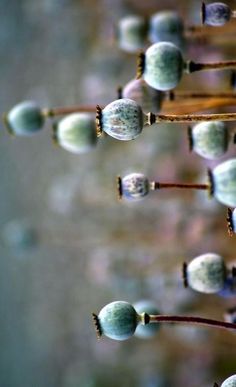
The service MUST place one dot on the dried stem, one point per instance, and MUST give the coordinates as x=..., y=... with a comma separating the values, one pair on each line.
x=153, y=119
x=62, y=111
x=186, y=94
x=191, y=66
x=156, y=185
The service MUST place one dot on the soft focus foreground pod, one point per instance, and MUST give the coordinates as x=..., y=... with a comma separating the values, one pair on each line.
x=76, y=132
x=224, y=182
x=206, y=273
x=132, y=33
x=166, y=26
x=229, y=382
x=24, y=119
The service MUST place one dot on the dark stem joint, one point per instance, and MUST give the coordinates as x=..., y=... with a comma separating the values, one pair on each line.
x=229, y=219
x=190, y=138
x=211, y=183
x=184, y=273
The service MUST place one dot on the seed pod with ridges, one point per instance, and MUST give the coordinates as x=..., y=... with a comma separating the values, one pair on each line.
x=76, y=133
x=134, y=186
x=166, y=26
x=164, y=66
x=122, y=119
x=229, y=382
x=148, y=98
x=24, y=119
x=118, y=320
x=206, y=273
x=215, y=14
x=210, y=139
x=132, y=33
x=149, y=330
x=224, y=182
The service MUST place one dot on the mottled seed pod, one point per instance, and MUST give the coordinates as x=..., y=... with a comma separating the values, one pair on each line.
x=148, y=330
x=148, y=98
x=134, y=186
x=122, y=119
x=24, y=119
x=164, y=66
x=132, y=33
x=206, y=273
x=215, y=14
x=166, y=26
x=118, y=320
x=76, y=133
x=229, y=382
x=224, y=182
x=210, y=139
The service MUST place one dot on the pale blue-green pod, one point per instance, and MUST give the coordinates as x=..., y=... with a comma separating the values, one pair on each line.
x=210, y=139
x=166, y=26
x=215, y=14
x=132, y=33
x=134, y=186
x=24, y=119
x=148, y=98
x=206, y=273
x=122, y=119
x=118, y=320
x=77, y=133
x=229, y=382
x=164, y=66
x=148, y=330
x=224, y=182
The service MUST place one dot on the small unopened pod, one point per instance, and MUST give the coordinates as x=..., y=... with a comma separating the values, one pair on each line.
x=224, y=182
x=216, y=14
x=229, y=382
x=76, y=133
x=133, y=186
x=148, y=98
x=206, y=273
x=149, y=330
x=132, y=33
x=166, y=26
x=24, y=119
x=209, y=139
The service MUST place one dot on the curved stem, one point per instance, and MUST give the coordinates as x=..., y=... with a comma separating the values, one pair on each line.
x=191, y=320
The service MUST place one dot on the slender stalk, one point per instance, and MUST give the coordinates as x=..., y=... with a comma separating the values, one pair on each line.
x=186, y=94
x=156, y=185
x=154, y=119
x=61, y=111
x=192, y=320
x=195, y=105
x=191, y=66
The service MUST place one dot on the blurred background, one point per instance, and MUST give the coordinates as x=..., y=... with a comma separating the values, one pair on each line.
x=68, y=246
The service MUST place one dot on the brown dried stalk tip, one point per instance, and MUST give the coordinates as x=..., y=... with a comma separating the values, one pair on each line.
x=54, y=133
x=119, y=92
x=140, y=65
x=184, y=274
x=211, y=188
x=119, y=187
x=97, y=325
x=190, y=138
x=203, y=13
x=98, y=120
x=7, y=125
x=216, y=385
x=229, y=222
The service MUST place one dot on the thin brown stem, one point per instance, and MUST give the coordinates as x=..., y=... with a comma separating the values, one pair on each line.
x=62, y=111
x=191, y=67
x=152, y=118
x=158, y=185
x=203, y=95
x=192, y=320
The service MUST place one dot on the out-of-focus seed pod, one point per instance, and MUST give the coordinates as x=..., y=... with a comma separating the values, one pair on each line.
x=215, y=14
x=166, y=26
x=224, y=182
x=132, y=33
x=134, y=186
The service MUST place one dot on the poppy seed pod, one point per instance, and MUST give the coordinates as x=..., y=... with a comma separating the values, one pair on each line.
x=76, y=132
x=122, y=119
x=166, y=26
x=215, y=14
x=148, y=98
x=206, y=273
x=118, y=320
x=164, y=66
x=134, y=186
x=148, y=330
x=224, y=182
x=24, y=119
x=210, y=139
x=229, y=382
x=132, y=33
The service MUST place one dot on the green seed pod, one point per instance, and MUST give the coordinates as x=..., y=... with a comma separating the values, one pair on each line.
x=224, y=182
x=230, y=382
x=76, y=133
x=206, y=273
x=122, y=119
x=148, y=98
x=215, y=14
x=164, y=66
x=118, y=320
x=210, y=139
x=166, y=26
x=134, y=186
x=24, y=119
x=148, y=330
x=132, y=33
